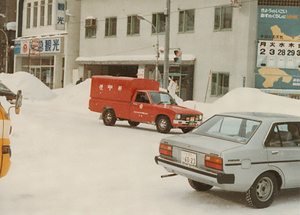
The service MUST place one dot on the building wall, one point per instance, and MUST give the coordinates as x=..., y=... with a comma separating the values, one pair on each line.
x=230, y=51
x=67, y=32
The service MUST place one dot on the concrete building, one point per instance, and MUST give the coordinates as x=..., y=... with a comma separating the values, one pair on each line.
x=212, y=35
x=47, y=40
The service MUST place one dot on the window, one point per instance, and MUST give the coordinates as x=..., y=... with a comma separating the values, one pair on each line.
x=142, y=97
x=49, y=12
x=133, y=25
x=111, y=26
x=35, y=14
x=158, y=20
x=223, y=18
x=186, y=21
x=42, y=16
x=90, y=28
x=284, y=135
x=219, y=84
x=232, y=128
x=28, y=15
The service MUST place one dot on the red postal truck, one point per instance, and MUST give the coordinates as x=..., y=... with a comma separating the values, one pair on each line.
x=139, y=101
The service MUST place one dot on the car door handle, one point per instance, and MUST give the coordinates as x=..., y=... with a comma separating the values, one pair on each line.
x=275, y=152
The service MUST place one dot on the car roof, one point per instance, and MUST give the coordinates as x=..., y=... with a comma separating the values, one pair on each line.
x=263, y=116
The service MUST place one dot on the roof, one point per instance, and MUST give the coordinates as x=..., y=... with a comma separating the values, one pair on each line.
x=263, y=116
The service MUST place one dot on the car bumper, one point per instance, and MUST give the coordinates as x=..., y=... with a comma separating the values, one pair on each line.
x=183, y=123
x=203, y=176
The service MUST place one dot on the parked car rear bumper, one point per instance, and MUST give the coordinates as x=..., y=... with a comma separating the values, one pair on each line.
x=203, y=176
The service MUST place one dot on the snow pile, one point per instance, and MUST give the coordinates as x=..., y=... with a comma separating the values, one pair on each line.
x=247, y=100
x=32, y=88
x=74, y=97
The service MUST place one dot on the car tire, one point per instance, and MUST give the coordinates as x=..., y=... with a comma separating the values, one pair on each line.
x=133, y=123
x=109, y=117
x=199, y=186
x=163, y=124
x=263, y=191
x=187, y=130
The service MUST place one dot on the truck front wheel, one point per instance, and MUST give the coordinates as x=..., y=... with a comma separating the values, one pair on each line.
x=109, y=117
x=163, y=124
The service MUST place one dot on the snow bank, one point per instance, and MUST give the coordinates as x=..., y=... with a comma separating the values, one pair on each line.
x=32, y=88
x=247, y=100
x=74, y=97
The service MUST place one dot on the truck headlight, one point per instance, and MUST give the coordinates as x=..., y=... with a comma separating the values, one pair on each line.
x=178, y=116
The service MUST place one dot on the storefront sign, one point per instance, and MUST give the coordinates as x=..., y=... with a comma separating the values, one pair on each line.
x=47, y=46
x=60, y=13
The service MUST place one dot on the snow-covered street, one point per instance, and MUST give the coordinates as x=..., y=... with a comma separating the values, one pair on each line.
x=66, y=161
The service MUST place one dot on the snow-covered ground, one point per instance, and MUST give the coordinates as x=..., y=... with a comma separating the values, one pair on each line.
x=65, y=161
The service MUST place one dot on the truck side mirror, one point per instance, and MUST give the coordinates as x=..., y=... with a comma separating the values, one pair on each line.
x=18, y=101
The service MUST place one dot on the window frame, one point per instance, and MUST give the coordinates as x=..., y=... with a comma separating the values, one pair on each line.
x=42, y=13
x=132, y=23
x=183, y=21
x=90, y=28
x=109, y=25
x=28, y=15
x=49, y=12
x=221, y=18
x=218, y=84
x=35, y=14
x=156, y=21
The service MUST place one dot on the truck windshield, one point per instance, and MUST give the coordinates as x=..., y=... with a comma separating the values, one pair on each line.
x=161, y=98
x=231, y=128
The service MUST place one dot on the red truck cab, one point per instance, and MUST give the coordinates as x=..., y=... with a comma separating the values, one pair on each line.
x=139, y=101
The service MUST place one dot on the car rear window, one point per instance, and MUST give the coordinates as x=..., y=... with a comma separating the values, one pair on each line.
x=231, y=128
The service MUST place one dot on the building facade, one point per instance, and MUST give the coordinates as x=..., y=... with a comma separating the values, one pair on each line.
x=218, y=42
x=47, y=40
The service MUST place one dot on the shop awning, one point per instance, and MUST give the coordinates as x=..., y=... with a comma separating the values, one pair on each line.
x=187, y=59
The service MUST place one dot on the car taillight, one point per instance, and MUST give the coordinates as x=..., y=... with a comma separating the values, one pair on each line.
x=6, y=150
x=214, y=162
x=165, y=149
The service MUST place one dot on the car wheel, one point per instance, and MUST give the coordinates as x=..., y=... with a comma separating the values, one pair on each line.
x=132, y=123
x=199, y=186
x=163, y=124
x=109, y=117
x=186, y=130
x=263, y=191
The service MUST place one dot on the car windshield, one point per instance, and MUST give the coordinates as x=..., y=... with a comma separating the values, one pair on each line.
x=161, y=98
x=4, y=88
x=227, y=127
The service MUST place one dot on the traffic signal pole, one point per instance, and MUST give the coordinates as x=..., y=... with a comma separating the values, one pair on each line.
x=167, y=46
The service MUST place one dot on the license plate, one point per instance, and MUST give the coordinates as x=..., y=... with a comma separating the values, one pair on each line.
x=188, y=158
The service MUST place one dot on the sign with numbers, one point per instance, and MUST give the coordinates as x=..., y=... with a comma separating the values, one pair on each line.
x=278, y=54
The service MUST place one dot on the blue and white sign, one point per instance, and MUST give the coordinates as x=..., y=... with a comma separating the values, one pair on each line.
x=47, y=46
x=60, y=13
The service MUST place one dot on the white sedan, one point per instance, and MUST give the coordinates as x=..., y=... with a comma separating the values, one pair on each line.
x=255, y=153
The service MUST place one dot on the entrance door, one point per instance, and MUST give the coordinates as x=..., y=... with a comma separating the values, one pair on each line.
x=47, y=76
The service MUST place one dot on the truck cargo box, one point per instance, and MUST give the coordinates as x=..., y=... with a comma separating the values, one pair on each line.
x=119, y=88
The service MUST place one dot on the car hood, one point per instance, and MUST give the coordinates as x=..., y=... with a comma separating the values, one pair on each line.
x=183, y=110
x=201, y=143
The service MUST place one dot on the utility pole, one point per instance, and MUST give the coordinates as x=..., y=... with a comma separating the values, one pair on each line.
x=167, y=45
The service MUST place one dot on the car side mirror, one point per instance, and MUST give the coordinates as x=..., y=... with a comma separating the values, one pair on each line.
x=18, y=104
x=18, y=101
